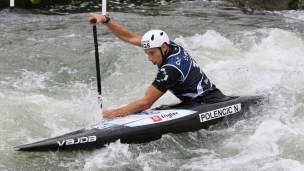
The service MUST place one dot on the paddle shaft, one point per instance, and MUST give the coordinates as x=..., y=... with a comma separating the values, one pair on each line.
x=94, y=20
x=97, y=63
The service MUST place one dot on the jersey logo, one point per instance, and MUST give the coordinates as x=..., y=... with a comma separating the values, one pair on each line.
x=178, y=61
x=165, y=76
x=206, y=81
x=186, y=55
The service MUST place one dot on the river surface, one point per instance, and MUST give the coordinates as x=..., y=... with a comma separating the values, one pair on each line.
x=48, y=86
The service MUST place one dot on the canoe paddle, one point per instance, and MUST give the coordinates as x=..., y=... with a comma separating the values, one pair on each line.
x=93, y=20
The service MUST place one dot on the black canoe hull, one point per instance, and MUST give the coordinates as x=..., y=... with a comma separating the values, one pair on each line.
x=132, y=132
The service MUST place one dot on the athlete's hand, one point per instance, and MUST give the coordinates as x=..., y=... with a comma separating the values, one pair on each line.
x=107, y=113
x=99, y=18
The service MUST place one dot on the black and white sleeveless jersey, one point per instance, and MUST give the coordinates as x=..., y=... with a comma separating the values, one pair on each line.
x=181, y=75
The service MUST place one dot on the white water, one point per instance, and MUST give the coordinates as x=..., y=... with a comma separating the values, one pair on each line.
x=48, y=87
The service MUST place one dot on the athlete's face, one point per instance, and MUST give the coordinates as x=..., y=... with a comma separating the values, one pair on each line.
x=155, y=56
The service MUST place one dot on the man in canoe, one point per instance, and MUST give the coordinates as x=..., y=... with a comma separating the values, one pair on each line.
x=177, y=71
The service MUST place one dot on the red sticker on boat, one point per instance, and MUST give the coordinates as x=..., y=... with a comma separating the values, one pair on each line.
x=156, y=118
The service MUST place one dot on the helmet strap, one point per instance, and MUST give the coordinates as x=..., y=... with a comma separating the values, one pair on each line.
x=162, y=53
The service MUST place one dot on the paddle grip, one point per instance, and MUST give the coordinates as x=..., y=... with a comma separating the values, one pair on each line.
x=93, y=20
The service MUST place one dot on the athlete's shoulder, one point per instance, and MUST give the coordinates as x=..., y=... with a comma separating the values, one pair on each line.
x=181, y=51
x=175, y=45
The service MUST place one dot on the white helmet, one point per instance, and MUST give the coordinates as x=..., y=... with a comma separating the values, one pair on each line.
x=154, y=38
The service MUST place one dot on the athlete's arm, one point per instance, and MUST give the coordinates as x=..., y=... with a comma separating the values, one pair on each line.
x=119, y=31
x=152, y=94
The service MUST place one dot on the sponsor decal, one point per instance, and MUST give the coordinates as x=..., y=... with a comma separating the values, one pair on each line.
x=169, y=115
x=148, y=112
x=162, y=116
x=156, y=118
x=218, y=113
x=99, y=126
x=80, y=140
x=103, y=125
